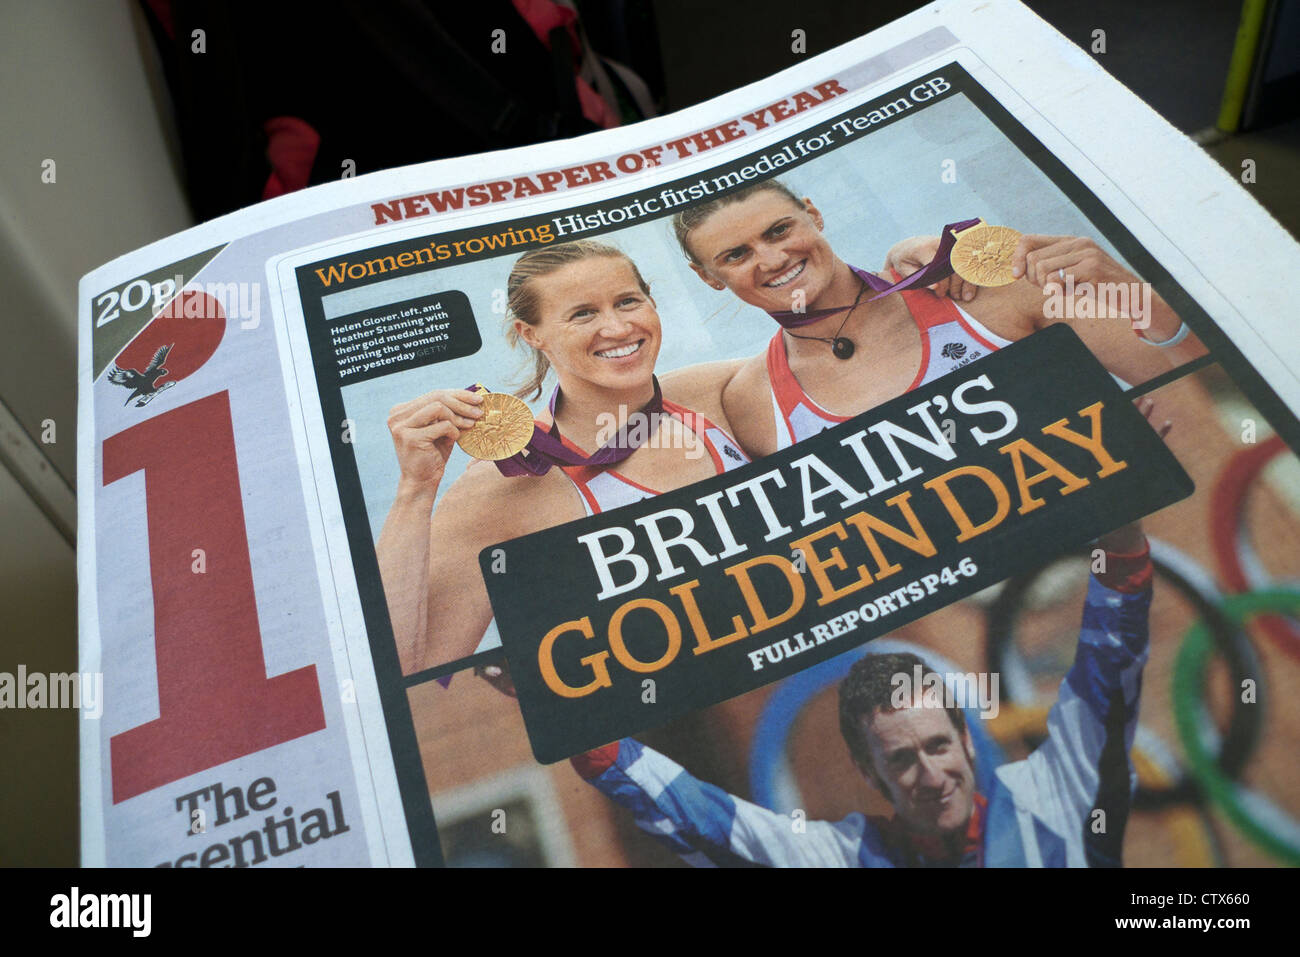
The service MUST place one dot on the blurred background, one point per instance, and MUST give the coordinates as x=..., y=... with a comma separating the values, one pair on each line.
x=116, y=133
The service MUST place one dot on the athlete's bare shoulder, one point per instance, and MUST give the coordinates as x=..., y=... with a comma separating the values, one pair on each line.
x=1009, y=310
x=492, y=507
x=747, y=400
x=699, y=387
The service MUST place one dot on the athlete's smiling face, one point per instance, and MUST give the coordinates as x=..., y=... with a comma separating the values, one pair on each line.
x=924, y=765
x=767, y=250
x=596, y=324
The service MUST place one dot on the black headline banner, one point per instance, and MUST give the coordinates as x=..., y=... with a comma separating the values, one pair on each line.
x=403, y=335
x=624, y=620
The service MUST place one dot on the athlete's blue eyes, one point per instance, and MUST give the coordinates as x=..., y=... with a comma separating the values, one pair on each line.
x=740, y=252
x=583, y=315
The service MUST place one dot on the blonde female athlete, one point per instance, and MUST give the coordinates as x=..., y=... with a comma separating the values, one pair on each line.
x=587, y=313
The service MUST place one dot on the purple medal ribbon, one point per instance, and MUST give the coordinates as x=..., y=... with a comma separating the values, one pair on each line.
x=937, y=268
x=545, y=449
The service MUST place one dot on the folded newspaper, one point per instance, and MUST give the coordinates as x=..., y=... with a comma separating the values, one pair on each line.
x=889, y=463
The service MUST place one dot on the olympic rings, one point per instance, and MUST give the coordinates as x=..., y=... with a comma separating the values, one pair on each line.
x=772, y=783
x=1213, y=762
x=1195, y=845
x=1227, y=537
x=1244, y=726
x=1256, y=816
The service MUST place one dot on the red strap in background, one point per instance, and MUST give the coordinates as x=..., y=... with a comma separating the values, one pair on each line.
x=291, y=146
x=162, y=9
x=546, y=15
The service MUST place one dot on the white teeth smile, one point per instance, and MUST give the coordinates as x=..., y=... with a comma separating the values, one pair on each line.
x=620, y=352
x=785, y=277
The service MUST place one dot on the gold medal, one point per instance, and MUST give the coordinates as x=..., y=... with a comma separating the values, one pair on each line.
x=504, y=429
x=983, y=254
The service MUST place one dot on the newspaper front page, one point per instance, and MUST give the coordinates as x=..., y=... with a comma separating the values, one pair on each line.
x=817, y=553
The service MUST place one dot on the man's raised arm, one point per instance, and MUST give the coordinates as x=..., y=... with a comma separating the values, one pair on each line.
x=706, y=825
x=1079, y=782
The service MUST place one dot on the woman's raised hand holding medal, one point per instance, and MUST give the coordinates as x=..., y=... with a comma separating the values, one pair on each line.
x=909, y=255
x=1050, y=259
x=426, y=428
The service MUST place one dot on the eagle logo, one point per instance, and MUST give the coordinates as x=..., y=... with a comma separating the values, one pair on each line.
x=143, y=385
x=953, y=350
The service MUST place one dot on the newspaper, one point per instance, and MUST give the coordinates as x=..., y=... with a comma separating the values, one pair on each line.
x=780, y=459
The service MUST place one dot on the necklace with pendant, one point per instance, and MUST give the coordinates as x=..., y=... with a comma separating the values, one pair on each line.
x=842, y=347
